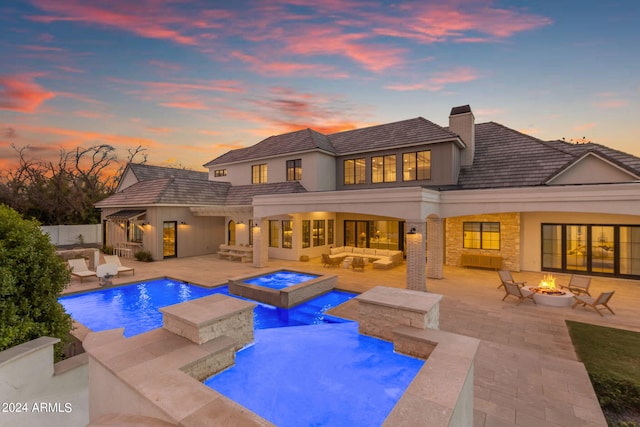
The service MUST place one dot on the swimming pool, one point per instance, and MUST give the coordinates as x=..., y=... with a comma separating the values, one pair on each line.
x=135, y=307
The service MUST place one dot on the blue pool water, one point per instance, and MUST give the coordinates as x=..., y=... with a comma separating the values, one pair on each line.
x=304, y=368
x=318, y=375
x=280, y=279
x=135, y=307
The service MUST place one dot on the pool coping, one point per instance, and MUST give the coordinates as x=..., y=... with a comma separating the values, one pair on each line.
x=147, y=373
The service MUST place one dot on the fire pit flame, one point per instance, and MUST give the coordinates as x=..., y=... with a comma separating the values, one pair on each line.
x=547, y=286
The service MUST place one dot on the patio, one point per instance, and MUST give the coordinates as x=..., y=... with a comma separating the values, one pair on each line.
x=526, y=372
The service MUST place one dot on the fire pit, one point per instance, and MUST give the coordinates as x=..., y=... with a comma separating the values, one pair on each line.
x=546, y=293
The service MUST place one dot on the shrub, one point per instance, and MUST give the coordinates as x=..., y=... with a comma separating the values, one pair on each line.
x=143, y=256
x=31, y=279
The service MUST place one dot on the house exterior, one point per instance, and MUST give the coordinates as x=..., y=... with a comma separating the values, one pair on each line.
x=469, y=192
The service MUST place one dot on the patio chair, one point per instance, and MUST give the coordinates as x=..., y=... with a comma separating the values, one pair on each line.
x=603, y=300
x=115, y=259
x=327, y=261
x=358, y=262
x=514, y=290
x=506, y=277
x=79, y=268
x=578, y=285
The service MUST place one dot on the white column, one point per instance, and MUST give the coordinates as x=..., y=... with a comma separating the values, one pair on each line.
x=416, y=255
x=260, y=242
x=435, y=248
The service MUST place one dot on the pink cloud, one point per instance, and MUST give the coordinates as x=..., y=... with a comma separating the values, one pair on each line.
x=439, y=80
x=609, y=101
x=22, y=93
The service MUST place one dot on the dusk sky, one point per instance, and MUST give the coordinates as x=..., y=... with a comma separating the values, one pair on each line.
x=190, y=80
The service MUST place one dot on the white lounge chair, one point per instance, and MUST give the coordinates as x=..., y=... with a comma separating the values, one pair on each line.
x=114, y=259
x=80, y=269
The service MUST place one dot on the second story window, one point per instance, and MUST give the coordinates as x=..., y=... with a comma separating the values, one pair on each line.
x=259, y=174
x=383, y=168
x=294, y=170
x=416, y=166
x=220, y=172
x=354, y=171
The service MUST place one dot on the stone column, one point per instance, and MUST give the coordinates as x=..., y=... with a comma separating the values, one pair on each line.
x=260, y=242
x=435, y=246
x=416, y=255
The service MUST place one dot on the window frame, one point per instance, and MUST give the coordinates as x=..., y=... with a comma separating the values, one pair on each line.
x=306, y=233
x=219, y=172
x=294, y=170
x=274, y=234
x=358, y=171
x=259, y=173
x=287, y=240
x=319, y=232
x=416, y=166
x=483, y=229
x=388, y=165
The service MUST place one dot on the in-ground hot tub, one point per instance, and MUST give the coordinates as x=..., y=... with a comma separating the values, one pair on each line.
x=282, y=288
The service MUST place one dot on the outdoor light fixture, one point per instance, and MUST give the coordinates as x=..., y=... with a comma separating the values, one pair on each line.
x=412, y=231
x=183, y=223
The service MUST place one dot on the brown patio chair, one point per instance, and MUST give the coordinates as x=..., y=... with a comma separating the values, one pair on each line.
x=327, y=261
x=514, y=290
x=578, y=285
x=358, y=262
x=505, y=277
x=603, y=300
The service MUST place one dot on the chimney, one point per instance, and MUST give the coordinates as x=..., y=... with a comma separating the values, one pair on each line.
x=462, y=122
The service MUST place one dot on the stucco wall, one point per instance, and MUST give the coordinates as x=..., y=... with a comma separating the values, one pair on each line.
x=35, y=392
x=510, y=238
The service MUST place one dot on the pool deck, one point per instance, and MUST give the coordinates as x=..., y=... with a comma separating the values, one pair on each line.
x=526, y=371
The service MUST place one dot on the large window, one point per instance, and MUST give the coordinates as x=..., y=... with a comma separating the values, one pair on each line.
x=134, y=232
x=273, y=234
x=294, y=170
x=416, y=166
x=220, y=172
x=306, y=233
x=318, y=232
x=612, y=250
x=259, y=174
x=287, y=233
x=354, y=171
x=373, y=234
x=481, y=235
x=383, y=168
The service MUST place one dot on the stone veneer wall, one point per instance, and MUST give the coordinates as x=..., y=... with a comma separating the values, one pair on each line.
x=509, y=239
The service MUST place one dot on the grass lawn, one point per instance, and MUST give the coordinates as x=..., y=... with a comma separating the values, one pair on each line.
x=612, y=359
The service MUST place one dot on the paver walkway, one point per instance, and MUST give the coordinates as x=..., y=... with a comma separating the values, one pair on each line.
x=526, y=371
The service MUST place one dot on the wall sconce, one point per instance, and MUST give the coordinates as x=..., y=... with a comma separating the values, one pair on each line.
x=145, y=224
x=183, y=223
x=412, y=231
x=240, y=222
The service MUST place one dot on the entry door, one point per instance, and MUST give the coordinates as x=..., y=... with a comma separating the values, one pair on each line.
x=169, y=239
x=355, y=233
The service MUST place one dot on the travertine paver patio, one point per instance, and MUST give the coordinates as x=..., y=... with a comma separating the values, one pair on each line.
x=526, y=373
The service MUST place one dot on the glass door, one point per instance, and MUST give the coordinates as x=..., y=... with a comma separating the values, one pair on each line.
x=603, y=248
x=576, y=244
x=355, y=233
x=169, y=239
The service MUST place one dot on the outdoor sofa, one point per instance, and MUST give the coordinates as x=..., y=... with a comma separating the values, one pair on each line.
x=382, y=258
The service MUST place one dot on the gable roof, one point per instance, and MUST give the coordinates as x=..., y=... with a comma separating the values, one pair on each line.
x=507, y=158
x=275, y=145
x=624, y=160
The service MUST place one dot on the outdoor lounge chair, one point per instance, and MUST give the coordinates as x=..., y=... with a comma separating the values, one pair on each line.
x=578, y=285
x=514, y=290
x=602, y=300
x=505, y=277
x=79, y=268
x=327, y=261
x=115, y=259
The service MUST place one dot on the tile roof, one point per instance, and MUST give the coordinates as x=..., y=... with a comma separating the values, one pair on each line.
x=288, y=143
x=620, y=158
x=243, y=194
x=507, y=158
x=178, y=191
x=390, y=135
x=146, y=172
x=172, y=191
